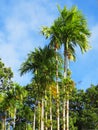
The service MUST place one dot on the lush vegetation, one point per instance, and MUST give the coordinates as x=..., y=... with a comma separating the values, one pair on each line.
x=20, y=107
x=50, y=101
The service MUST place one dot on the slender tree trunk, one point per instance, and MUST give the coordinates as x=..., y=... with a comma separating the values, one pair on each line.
x=46, y=114
x=57, y=87
x=4, y=124
x=39, y=116
x=14, y=117
x=42, y=115
x=46, y=128
x=64, y=114
x=67, y=114
x=50, y=109
x=34, y=120
x=8, y=126
x=66, y=100
x=67, y=104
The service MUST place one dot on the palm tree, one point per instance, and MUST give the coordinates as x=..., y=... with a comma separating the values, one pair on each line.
x=42, y=65
x=71, y=30
x=74, y=32
x=54, y=43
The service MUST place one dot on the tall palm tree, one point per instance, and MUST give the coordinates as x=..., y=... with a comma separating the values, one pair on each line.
x=74, y=32
x=41, y=63
x=54, y=43
x=71, y=30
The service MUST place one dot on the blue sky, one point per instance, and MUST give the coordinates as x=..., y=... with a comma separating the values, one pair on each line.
x=20, y=24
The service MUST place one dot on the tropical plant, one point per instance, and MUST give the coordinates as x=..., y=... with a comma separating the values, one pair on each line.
x=42, y=65
x=69, y=29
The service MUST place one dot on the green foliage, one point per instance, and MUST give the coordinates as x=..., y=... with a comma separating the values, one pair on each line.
x=70, y=29
x=6, y=75
x=42, y=64
x=84, y=107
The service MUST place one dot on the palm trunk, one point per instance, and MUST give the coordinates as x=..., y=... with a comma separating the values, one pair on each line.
x=14, y=117
x=46, y=128
x=67, y=114
x=46, y=114
x=67, y=105
x=34, y=120
x=50, y=109
x=4, y=124
x=57, y=87
x=64, y=114
x=42, y=115
x=39, y=116
x=66, y=100
x=8, y=126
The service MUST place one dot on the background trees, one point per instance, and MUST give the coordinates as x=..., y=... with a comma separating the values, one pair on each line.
x=5, y=85
x=83, y=107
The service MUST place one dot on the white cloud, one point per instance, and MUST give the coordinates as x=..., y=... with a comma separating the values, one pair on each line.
x=20, y=33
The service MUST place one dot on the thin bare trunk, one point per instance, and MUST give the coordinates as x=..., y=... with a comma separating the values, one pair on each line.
x=46, y=114
x=14, y=117
x=46, y=128
x=50, y=109
x=34, y=120
x=64, y=114
x=57, y=87
x=4, y=123
x=8, y=126
x=65, y=102
x=67, y=114
x=39, y=116
x=42, y=115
